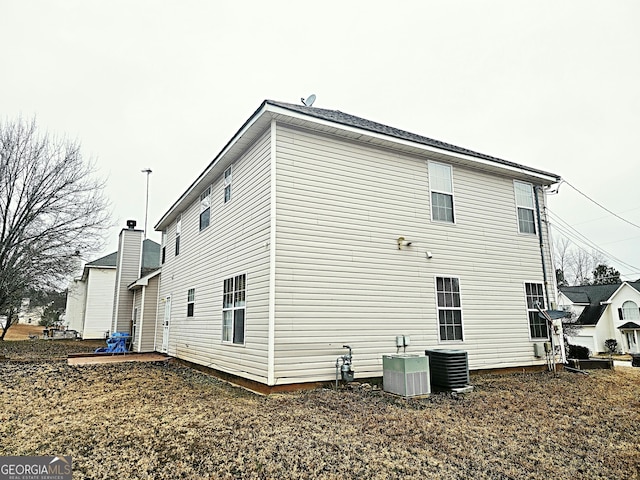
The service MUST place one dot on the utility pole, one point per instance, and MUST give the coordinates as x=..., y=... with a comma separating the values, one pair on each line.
x=146, y=206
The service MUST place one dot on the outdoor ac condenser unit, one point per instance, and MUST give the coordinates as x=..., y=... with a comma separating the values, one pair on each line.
x=449, y=368
x=406, y=375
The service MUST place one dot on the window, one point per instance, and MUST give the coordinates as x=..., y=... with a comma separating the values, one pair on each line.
x=449, y=308
x=629, y=311
x=205, y=208
x=227, y=184
x=233, y=309
x=524, y=203
x=178, y=228
x=191, y=301
x=164, y=245
x=537, y=324
x=441, y=185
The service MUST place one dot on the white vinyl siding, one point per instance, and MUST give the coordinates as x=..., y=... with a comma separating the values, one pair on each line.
x=236, y=241
x=340, y=278
x=525, y=207
x=98, y=308
x=441, y=186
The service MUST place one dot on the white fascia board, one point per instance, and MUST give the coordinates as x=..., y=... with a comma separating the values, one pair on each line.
x=408, y=143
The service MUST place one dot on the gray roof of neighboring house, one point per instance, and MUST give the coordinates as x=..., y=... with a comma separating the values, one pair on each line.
x=594, y=295
x=351, y=120
x=150, y=258
x=106, y=261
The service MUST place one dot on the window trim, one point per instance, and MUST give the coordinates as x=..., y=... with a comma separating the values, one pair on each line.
x=163, y=250
x=441, y=192
x=191, y=302
x=227, y=182
x=532, y=208
x=206, y=194
x=439, y=308
x=528, y=310
x=178, y=232
x=233, y=309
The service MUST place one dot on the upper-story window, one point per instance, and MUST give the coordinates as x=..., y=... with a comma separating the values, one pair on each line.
x=178, y=229
x=449, y=308
x=537, y=325
x=525, y=203
x=629, y=311
x=441, y=186
x=205, y=208
x=227, y=184
x=164, y=246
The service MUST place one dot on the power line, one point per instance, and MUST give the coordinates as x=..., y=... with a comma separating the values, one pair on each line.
x=600, y=205
x=570, y=232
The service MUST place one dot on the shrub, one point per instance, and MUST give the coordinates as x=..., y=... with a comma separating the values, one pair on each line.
x=611, y=345
x=579, y=352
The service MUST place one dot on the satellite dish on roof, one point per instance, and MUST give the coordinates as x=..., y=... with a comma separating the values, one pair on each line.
x=309, y=101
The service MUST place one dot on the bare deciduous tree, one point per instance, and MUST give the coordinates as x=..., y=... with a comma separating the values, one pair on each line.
x=51, y=207
x=574, y=264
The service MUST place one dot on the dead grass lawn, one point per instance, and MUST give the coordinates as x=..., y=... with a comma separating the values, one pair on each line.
x=165, y=421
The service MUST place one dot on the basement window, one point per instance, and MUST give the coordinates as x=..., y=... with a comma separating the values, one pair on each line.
x=537, y=325
x=233, y=309
x=191, y=301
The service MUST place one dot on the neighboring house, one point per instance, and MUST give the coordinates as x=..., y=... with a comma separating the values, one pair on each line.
x=313, y=229
x=30, y=314
x=92, y=297
x=604, y=312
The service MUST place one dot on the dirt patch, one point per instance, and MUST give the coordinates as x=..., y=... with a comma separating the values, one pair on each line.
x=21, y=331
x=166, y=421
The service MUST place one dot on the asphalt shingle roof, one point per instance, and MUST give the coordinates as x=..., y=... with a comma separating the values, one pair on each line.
x=106, y=261
x=353, y=121
x=594, y=295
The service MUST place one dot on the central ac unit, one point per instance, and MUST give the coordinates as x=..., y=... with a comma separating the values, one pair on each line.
x=449, y=368
x=406, y=375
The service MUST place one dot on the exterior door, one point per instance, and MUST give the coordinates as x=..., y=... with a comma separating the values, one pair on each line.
x=165, y=325
x=632, y=341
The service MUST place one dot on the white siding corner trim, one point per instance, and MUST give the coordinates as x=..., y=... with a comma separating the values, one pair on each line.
x=271, y=333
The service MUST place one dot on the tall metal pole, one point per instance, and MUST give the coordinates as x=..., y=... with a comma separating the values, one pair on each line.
x=146, y=206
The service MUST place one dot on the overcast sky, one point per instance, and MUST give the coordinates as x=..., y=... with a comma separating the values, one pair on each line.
x=165, y=84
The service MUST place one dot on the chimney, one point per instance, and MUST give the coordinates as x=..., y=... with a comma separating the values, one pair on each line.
x=128, y=263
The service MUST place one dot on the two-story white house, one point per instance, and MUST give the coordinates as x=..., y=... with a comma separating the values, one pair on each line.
x=313, y=229
x=605, y=312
